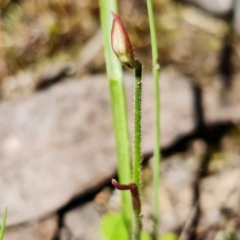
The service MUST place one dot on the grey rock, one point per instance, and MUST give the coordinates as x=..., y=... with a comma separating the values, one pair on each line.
x=83, y=222
x=65, y=234
x=175, y=194
x=221, y=106
x=52, y=75
x=52, y=148
x=59, y=144
x=219, y=192
x=40, y=166
x=177, y=113
x=219, y=7
x=42, y=230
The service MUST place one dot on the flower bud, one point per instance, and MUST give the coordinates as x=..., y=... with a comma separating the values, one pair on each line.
x=121, y=44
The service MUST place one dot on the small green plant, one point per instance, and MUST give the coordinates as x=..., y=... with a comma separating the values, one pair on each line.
x=3, y=226
x=116, y=41
x=119, y=112
x=122, y=48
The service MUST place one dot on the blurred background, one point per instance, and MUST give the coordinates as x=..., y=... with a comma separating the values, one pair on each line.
x=56, y=141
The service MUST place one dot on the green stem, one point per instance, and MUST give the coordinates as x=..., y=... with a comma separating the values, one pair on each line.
x=118, y=104
x=157, y=149
x=137, y=144
x=137, y=124
x=3, y=226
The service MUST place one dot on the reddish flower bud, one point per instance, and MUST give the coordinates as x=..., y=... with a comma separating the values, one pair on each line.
x=121, y=44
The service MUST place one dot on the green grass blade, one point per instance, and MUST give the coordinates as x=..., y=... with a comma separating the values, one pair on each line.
x=3, y=226
x=118, y=104
x=157, y=156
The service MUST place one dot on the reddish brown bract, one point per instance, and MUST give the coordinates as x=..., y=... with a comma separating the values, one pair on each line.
x=121, y=44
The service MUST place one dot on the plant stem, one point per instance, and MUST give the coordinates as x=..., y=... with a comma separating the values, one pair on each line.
x=136, y=204
x=137, y=143
x=137, y=124
x=137, y=225
x=157, y=147
x=3, y=226
x=118, y=104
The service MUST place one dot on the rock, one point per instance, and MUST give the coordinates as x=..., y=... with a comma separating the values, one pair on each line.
x=52, y=75
x=220, y=7
x=221, y=106
x=219, y=194
x=175, y=193
x=52, y=148
x=177, y=109
x=25, y=83
x=42, y=230
x=83, y=222
x=59, y=144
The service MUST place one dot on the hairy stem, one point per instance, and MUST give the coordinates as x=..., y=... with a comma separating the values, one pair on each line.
x=137, y=144
x=136, y=204
x=137, y=124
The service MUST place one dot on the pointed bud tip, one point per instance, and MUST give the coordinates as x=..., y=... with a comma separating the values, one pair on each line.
x=114, y=14
x=121, y=44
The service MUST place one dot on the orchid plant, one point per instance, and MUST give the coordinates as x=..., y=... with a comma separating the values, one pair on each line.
x=127, y=225
x=122, y=48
